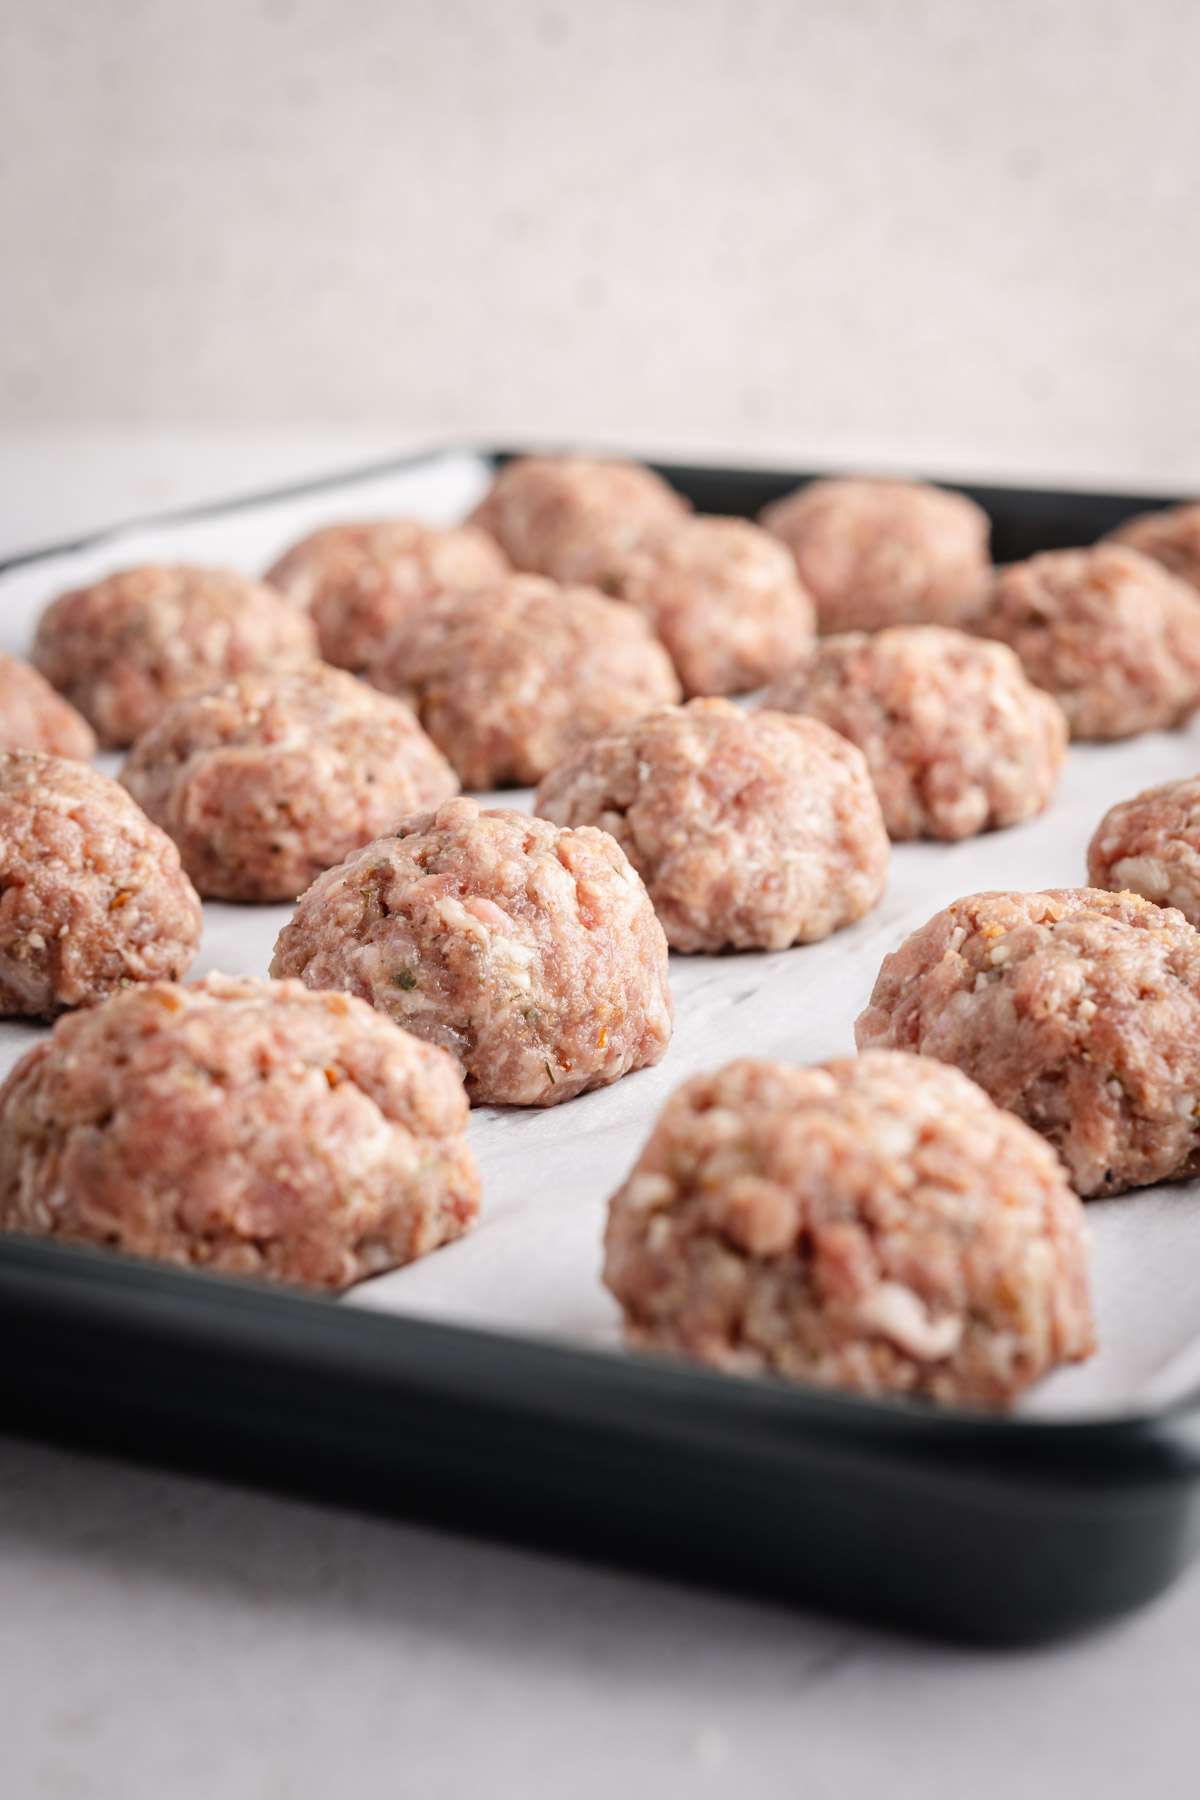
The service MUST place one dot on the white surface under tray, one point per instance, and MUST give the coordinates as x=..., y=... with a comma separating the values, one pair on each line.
x=532, y=1264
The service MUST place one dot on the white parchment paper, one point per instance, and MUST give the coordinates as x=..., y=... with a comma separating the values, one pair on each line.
x=531, y=1266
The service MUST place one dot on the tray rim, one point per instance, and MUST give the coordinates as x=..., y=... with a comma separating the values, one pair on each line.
x=1116, y=1447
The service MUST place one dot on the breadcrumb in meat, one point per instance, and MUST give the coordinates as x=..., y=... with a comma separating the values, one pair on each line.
x=573, y=517
x=34, y=717
x=874, y=1224
x=956, y=738
x=875, y=553
x=361, y=581
x=1077, y=1010
x=750, y=830
x=122, y=649
x=92, y=895
x=274, y=778
x=532, y=954
x=248, y=1127
x=507, y=680
x=1108, y=632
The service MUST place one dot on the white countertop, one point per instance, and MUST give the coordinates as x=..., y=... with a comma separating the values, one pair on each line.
x=170, y=1638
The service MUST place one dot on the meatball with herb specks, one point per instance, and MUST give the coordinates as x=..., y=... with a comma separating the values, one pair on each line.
x=750, y=830
x=248, y=1127
x=92, y=895
x=875, y=1224
x=532, y=954
x=1077, y=1010
x=124, y=648
x=274, y=778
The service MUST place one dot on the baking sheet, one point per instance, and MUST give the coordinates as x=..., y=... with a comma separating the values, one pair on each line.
x=532, y=1264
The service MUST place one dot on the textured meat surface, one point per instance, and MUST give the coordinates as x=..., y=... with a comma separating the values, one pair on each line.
x=956, y=738
x=1108, y=632
x=876, y=553
x=272, y=779
x=360, y=581
x=724, y=597
x=249, y=1127
x=92, y=895
x=875, y=1224
x=1078, y=1010
x=34, y=717
x=1171, y=536
x=507, y=680
x=574, y=517
x=532, y=954
x=124, y=648
x=754, y=830
x=1150, y=845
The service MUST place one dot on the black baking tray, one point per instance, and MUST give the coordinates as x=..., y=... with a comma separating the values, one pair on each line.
x=1003, y=1530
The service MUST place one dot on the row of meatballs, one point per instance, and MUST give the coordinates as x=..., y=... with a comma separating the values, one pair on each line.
x=885, y=1224
x=507, y=672
x=721, y=829
x=880, y=1224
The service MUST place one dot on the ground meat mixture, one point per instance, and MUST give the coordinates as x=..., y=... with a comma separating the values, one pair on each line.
x=509, y=680
x=1078, y=1010
x=750, y=830
x=272, y=779
x=361, y=581
x=874, y=1224
x=1150, y=845
x=725, y=599
x=1108, y=632
x=532, y=954
x=956, y=739
x=876, y=553
x=34, y=717
x=92, y=895
x=123, y=649
x=573, y=518
x=1171, y=536
x=248, y=1127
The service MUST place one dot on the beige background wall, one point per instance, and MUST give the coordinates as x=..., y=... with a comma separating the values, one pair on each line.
x=934, y=232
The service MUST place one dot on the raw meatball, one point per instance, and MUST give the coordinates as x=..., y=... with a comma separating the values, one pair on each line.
x=1077, y=1010
x=1171, y=536
x=1107, y=631
x=533, y=955
x=246, y=1126
x=873, y=1224
x=272, y=779
x=955, y=737
x=361, y=581
x=750, y=830
x=1150, y=845
x=724, y=598
x=34, y=717
x=876, y=553
x=508, y=680
x=92, y=895
x=573, y=518
x=123, y=649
